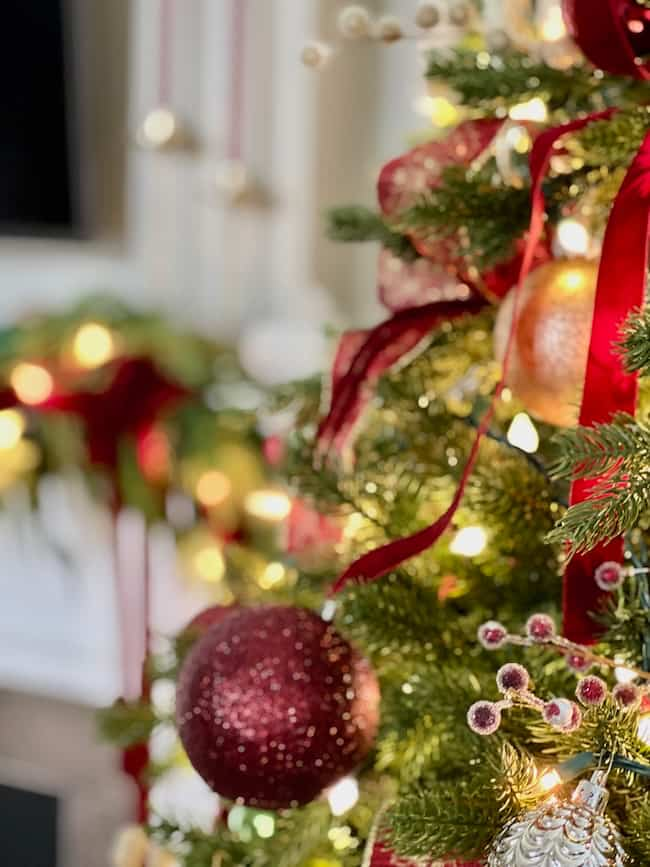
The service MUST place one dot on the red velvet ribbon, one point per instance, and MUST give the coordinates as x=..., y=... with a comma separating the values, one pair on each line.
x=363, y=356
x=608, y=388
x=380, y=561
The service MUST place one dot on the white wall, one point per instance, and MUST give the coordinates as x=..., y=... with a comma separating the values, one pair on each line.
x=163, y=237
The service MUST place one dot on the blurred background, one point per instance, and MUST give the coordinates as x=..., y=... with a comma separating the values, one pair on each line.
x=172, y=160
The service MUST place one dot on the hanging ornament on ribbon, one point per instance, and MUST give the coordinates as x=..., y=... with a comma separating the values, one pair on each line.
x=563, y=832
x=233, y=180
x=162, y=129
x=613, y=34
x=551, y=339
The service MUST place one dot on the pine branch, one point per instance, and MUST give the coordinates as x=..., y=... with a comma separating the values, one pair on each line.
x=613, y=142
x=636, y=341
x=354, y=223
x=620, y=452
x=586, y=452
x=497, y=81
x=126, y=723
x=480, y=219
x=460, y=815
x=612, y=510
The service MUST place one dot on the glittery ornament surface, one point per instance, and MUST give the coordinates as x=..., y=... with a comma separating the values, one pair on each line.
x=273, y=705
x=558, y=834
x=549, y=356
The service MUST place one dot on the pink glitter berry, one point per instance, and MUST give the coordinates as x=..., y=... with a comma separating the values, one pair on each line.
x=562, y=714
x=512, y=677
x=540, y=627
x=492, y=635
x=591, y=691
x=626, y=696
x=484, y=717
x=578, y=662
x=609, y=575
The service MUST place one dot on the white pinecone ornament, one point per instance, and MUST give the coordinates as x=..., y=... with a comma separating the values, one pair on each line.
x=562, y=833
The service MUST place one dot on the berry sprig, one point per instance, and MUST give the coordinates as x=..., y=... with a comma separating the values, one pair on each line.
x=540, y=630
x=513, y=682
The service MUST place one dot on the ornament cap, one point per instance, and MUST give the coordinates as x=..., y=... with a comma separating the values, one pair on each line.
x=592, y=793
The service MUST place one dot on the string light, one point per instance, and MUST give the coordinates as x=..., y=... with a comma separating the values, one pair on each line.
x=32, y=383
x=573, y=280
x=273, y=574
x=264, y=824
x=573, y=237
x=343, y=796
x=553, y=27
x=469, y=542
x=624, y=675
x=209, y=563
x=549, y=781
x=93, y=345
x=643, y=729
x=533, y=110
x=522, y=433
x=213, y=488
x=12, y=427
x=267, y=504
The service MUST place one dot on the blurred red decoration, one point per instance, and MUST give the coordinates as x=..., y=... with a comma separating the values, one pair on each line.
x=383, y=856
x=154, y=455
x=209, y=617
x=273, y=705
x=310, y=535
x=135, y=397
x=404, y=180
x=613, y=34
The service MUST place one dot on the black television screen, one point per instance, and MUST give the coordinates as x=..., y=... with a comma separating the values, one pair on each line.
x=28, y=828
x=39, y=188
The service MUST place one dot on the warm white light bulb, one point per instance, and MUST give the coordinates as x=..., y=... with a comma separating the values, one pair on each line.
x=643, y=730
x=93, y=345
x=343, y=796
x=522, y=433
x=573, y=237
x=268, y=505
x=12, y=427
x=469, y=541
x=549, y=781
x=553, y=27
x=534, y=110
x=624, y=675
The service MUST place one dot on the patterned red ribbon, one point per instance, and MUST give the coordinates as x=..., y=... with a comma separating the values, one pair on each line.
x=374, y=564
x=608, y=388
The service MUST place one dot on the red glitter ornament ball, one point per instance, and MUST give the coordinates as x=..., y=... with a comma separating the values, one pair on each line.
x=613, y=34
x=209, y=617
x=273, y=705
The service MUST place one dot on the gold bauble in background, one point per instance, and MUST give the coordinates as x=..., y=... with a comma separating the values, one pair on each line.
x=549, y=355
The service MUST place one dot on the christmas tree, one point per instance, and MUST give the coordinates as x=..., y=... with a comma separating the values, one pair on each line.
x=486, y=450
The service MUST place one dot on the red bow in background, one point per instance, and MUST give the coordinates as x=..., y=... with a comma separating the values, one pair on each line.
x=421, y=294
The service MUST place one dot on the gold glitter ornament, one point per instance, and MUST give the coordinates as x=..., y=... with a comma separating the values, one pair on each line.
x=549, y=355
x=563, y=833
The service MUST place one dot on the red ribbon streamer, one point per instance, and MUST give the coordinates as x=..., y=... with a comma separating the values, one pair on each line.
x=374, y=564
x=363, y=356
x=608, y=388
